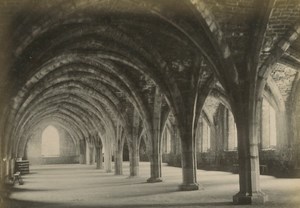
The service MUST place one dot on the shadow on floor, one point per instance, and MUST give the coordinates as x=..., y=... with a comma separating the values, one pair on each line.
x=14, y=189
x=154, y=192
x=31, y=204
x=11, y=203
x=31, y=173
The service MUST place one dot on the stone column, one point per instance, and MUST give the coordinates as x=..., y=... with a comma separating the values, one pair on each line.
x=188, y=163
x=155, y=150
x=186, y=121
x=119, y=158
x=246, y=122
x=155, y=168
x=134, y=157
x=99, y=157
x=107, y=156
x=12, y=166
x=133, y=140
x=2, y=169
x=118, y=151
x=92, y=154
x=87, y=154
x=7, y=167
x=82, y=151
x=155, y=157
x=220, y=133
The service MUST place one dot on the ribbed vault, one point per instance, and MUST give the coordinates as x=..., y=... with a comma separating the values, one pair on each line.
x=95, y=57
x=106, y=71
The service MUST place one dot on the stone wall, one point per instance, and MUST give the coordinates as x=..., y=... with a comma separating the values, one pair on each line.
x=68, y=152
x=279, y=163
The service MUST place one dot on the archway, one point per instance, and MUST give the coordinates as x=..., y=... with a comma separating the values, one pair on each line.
x=269, y=135
x=296, y=132
x=50, y=142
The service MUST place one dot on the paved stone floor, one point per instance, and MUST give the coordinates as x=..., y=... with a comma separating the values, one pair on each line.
x=83, y=186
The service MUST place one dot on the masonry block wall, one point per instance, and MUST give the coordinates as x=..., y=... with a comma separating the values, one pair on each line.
x=296, y=124
x=279, y=159
x=68, y=152
x=279, y=162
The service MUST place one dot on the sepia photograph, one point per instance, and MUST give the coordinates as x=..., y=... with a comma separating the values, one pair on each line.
x=149, y=103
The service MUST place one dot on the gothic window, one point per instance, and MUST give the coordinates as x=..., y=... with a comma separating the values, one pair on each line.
x=268, y=134
x=232, y=133
x=167, y=141
x=205, y=136
x=50, y=142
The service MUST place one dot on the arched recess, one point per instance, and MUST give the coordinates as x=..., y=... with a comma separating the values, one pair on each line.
x=143, y=149
x=268, y=126
x=53, y=24
x=170, y=125
x=68, y=97
x=66, y=128
x=296, y=124
x=77, y=128
x=130, y=92
x=204, y=134
x=115, y=59
x=38, y=148
x=223, y=142
x=65, y=123
x=225, y=129
x=50, y=142
x=63, y=111
x=272, y=100
x=167, y=140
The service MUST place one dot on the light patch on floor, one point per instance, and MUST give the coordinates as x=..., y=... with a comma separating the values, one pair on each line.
x=84, y=186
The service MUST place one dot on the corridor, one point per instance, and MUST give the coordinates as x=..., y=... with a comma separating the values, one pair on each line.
x=195, y=84
x=77, y=185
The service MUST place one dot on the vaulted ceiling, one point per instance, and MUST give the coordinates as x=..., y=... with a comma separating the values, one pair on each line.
x=85, y=64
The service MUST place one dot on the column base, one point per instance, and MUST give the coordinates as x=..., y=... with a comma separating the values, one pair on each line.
x=154, y=180
x=189, y=187
x=132, y=177
x=2, y=202
x=257, y=198
x=118, y=174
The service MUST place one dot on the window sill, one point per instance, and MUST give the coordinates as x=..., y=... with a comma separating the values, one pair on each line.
x=235, y=150
x=268, y=149
x=50, y=156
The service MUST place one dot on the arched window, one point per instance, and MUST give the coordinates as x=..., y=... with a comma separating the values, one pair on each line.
x=232, y=132
x=268, y=134
x=205, y=136
x=50, y=142
x=167, y=141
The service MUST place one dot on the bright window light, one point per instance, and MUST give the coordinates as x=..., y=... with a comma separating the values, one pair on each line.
x=50, y=142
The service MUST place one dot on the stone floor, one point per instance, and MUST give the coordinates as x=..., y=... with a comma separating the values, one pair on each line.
x=84, y=186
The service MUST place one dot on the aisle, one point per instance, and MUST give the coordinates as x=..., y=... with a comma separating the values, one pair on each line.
x=84, y=186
